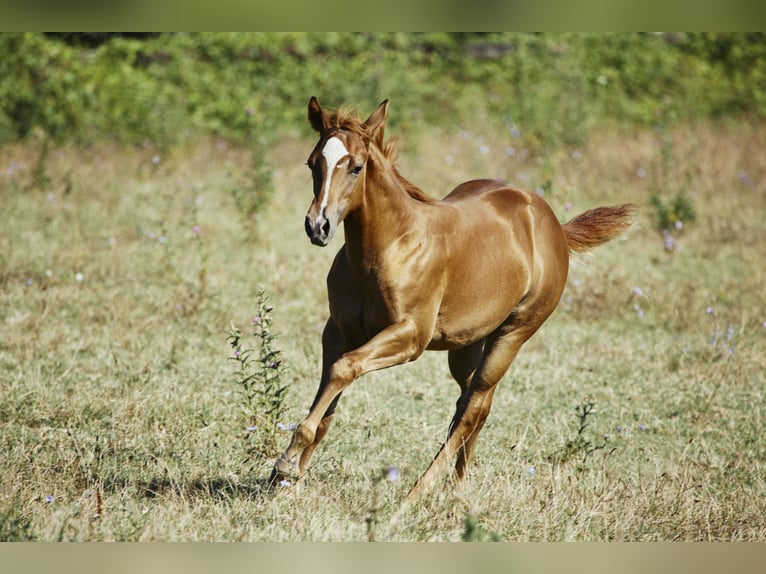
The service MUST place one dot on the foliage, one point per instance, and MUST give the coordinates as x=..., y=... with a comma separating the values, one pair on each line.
x=169, y=87
x=473, y=531
x=672, y=213
x=14, y=528
x=260, y=377
x=580, y=445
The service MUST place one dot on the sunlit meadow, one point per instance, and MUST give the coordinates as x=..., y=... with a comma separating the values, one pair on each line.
x=636, y=413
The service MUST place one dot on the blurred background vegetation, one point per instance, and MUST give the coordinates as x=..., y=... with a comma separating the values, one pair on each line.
x=170, y=87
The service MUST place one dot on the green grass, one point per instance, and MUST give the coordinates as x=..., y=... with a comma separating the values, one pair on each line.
x=120, y=417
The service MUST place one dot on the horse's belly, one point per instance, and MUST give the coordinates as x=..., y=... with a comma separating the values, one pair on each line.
x=462, y=321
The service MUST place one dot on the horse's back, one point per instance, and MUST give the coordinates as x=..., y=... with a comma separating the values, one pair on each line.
x=486, y=200
x=483, y=197
x=472, y=189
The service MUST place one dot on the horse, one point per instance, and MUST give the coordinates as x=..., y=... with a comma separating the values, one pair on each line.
x=474, y=274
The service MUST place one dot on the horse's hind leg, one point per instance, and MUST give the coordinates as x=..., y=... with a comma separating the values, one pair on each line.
x=473, y=408
x=462, y=365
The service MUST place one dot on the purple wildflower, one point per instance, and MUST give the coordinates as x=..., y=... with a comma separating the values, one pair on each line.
x=744, y=178
x=392, y=474
x=669, y=241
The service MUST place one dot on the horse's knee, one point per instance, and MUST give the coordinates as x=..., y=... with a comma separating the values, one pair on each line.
x=343, y=372
x=304, y=435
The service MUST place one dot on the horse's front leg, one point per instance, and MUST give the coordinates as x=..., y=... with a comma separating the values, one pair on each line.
x=394, y=345
x=333, y=347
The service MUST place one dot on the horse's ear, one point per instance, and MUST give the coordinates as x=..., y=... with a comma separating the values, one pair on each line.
x=317, y=117
x=377, y=123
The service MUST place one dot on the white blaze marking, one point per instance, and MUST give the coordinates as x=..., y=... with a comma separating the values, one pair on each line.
x=333, y=152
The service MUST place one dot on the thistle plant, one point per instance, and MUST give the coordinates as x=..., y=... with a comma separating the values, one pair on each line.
x=260, y=377
x=389, y=475
x=670, y=213
x=473, y=531
x=580, y=445
x=722, y=343
x=254, y=194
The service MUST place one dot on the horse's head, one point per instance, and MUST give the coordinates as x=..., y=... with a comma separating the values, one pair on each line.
x=338, y=166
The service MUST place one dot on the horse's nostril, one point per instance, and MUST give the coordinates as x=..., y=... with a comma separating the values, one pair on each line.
x=308, y=226
x=326, y=228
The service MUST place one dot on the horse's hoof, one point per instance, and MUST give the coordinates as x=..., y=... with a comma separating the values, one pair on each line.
x=283, y=470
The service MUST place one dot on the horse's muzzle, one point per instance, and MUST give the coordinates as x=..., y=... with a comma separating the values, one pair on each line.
x=319, y=231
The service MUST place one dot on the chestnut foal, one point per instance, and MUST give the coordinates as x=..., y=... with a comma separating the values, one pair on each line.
x=474, y=274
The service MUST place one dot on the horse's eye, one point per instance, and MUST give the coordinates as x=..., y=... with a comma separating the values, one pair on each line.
x=356, y=170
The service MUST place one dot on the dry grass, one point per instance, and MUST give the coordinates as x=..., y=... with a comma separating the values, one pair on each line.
x=119, y=419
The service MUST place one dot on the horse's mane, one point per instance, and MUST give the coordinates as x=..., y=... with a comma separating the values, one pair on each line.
x=345, y=119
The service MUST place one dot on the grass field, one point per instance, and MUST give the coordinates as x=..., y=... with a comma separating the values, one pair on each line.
x=637, y=413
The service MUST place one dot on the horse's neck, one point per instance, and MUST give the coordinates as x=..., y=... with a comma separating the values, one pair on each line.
x=386, y=211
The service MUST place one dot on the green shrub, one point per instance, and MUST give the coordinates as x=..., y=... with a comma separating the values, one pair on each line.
x=555, y=87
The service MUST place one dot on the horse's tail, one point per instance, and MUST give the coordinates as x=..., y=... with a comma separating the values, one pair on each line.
x=596, y=226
